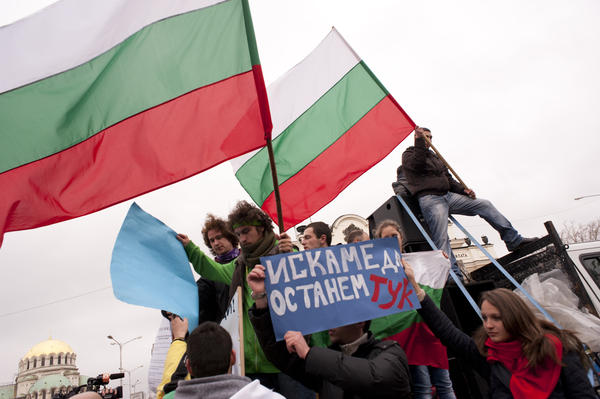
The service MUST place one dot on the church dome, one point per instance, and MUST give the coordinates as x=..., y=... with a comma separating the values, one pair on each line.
x=47, y=347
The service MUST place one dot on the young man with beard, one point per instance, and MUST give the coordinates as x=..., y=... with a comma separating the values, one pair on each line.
x=254, y=230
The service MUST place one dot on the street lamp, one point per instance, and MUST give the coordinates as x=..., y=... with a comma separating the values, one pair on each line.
x=129, y=376
x=587, y=196
x=133, y=386
x=121, y=345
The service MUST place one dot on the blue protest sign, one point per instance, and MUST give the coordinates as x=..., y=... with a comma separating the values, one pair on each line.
x=149, y=267
x=323, y=288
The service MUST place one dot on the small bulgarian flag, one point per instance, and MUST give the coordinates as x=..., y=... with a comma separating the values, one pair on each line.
x=105, y=100
x=408, y=329
x=332, y=121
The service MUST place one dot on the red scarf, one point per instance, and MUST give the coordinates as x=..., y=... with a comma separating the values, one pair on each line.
x=524, y=382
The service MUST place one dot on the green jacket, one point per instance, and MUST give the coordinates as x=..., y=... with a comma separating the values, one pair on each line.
x=255, y=360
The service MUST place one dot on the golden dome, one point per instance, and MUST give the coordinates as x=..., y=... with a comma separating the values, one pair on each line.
x=47, y=347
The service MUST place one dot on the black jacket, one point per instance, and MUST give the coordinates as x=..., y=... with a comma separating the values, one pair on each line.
x=572, y=384
x=378, y=369
x=426, y=173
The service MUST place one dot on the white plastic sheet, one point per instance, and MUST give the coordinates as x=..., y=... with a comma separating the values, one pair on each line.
x=553, y=292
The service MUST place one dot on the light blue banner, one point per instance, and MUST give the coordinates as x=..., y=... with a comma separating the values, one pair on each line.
x=149, y=267
x=323, y=288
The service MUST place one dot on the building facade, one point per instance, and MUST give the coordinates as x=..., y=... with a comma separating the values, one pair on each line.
x=46, y=369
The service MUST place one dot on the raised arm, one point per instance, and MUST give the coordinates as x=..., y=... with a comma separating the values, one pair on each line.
x=414, y=159
x=450, y=336
x=204, y=265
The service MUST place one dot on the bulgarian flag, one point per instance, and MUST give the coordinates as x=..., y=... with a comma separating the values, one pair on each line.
x=105, y=100
x=332, y=121
x=408, y=329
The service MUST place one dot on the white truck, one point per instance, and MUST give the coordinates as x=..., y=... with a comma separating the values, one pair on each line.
x=586, y=258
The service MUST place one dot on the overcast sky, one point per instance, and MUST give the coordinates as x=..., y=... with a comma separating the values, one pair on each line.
x=510, y=89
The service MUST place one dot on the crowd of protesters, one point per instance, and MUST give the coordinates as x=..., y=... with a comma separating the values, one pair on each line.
x=519, y=355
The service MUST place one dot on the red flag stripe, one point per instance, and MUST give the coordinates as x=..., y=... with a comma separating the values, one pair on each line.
x=361, y=147
x=152, y=149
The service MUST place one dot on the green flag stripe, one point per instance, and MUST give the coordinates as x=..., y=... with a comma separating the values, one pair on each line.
x=250, y=34
x=313, y=132
x=160, y=62
x=389, y=325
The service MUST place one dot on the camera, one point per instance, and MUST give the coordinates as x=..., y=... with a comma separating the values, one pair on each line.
x=94, y=385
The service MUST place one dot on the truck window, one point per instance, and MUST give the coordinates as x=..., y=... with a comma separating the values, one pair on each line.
x=591, y=262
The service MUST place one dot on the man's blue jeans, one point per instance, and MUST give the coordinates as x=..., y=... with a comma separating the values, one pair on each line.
x=436, y=208
x=425, y=376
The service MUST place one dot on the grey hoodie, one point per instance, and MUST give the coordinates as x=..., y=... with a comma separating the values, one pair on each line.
x=223, y=386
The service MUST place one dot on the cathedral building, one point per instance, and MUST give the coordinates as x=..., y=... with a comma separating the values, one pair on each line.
x=48, y=368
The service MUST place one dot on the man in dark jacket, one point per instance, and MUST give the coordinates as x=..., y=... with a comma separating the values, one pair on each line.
x=356, y=365
x=439, y=195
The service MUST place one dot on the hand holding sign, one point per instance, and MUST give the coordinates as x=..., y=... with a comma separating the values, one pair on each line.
x=179, y=327
x=183, y=239
x=295, y=343
x=256, y=282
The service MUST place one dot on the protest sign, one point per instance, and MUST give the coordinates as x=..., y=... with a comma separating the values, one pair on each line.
x=149, y=267
x=233, y=323
x=323, y=288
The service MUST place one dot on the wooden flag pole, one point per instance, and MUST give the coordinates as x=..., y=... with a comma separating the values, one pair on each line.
x=445, y=163
x=275, y=183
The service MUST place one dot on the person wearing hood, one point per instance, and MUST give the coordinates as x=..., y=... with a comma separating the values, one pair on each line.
x=209, y=360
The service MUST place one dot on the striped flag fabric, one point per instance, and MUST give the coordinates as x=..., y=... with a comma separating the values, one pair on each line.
x=332, y=121
x=408, y=329
x=105, y=100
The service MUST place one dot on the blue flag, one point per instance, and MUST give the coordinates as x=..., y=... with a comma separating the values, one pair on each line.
x=323, y=288
x=149, y=267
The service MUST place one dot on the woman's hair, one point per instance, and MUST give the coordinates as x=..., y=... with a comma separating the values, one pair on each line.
x=214, y=223
x=387, y=223
x=351, y=232
x=521, y=324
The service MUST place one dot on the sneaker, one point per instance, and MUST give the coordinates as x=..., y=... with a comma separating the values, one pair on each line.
x=524, y=242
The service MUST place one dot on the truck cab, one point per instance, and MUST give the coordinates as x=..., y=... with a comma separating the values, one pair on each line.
x=586, y=258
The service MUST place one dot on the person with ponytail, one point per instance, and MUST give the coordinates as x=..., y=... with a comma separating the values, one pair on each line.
x=520, y=355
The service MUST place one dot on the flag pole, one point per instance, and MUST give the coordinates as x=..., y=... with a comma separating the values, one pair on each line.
x=275, y=184
x=263, y=103
x=445, y=163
